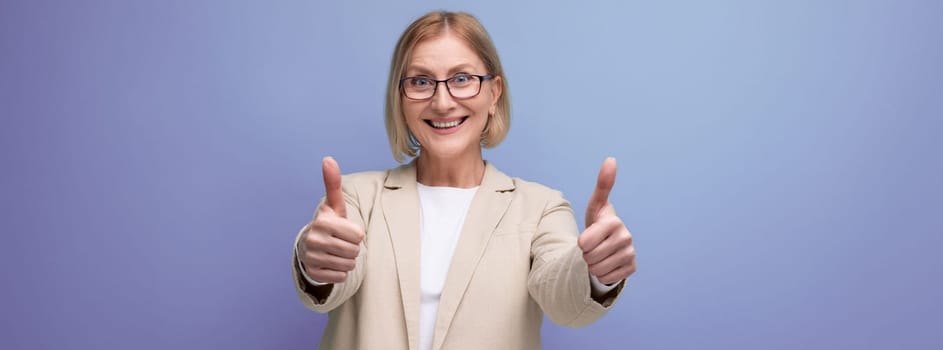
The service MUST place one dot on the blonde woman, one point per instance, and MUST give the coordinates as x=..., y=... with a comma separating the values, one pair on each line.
x=446, y=251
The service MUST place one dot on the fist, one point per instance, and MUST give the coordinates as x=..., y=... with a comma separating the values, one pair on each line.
x=606, y=243
x=329, y=247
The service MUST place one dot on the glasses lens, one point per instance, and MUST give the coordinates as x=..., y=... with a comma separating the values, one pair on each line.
x=464, y=85
x=419, y=87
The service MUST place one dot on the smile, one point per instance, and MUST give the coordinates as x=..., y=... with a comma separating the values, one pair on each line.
x=445, y=124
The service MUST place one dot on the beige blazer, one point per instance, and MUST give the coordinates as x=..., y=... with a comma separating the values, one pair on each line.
x=516, y=259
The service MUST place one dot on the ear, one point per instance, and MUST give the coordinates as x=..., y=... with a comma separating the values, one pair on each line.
x=497, y=87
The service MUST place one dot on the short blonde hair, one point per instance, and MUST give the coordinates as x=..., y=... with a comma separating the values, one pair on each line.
x=433, y=24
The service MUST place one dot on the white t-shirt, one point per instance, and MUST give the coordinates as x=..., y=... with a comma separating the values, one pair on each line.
x=442, y=213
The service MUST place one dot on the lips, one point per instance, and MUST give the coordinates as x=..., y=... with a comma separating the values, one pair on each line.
x=442, y=124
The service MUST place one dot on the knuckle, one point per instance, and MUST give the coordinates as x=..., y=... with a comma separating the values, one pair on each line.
x=319, y=221
x=324, y=222
x=318, y=275
x=312, y=240
x=313, y=275
x=306, y=257
x=350, y=264
x=608, y=220
x=334, y=263
x=322, y=275
x=581, y=242
x=312, y=261
x=342, y=264
x=626, y=234
x=589, y=240
x=617, y=221
x=328, y=242
x=590, y=257
x=600, y=257
x=626, y=259
x=324, y=258
x=341, y=250
x=327, y=276
x=317, y=234
x=346, y=249
x=624, y=252
x=309, y=265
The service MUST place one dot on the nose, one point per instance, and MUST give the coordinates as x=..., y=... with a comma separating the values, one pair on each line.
x=442, y=100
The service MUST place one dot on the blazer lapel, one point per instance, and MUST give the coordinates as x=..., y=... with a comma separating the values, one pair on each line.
x=401, y=211
x=486, y=210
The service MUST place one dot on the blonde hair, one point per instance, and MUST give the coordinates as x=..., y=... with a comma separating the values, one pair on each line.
x=433, y=24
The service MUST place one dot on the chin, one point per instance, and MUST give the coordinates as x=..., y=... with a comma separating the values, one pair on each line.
x=449, y=151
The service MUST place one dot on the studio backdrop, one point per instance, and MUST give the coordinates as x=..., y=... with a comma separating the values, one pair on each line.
x=779, y=162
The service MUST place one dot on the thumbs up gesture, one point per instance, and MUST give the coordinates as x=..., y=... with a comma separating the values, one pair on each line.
x=606, y=242
x=329, y=248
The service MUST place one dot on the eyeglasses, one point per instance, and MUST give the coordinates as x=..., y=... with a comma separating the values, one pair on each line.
x=460, y=86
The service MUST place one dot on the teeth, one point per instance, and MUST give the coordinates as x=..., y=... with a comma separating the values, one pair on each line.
x=446, y=125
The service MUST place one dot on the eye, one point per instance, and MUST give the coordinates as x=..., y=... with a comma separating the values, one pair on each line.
x=420, y=82
x=462, y=79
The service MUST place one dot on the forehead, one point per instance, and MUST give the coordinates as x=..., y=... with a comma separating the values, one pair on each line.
x=442, y=55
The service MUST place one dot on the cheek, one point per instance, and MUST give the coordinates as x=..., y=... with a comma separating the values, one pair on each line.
x=411, y=112
x=482, y=107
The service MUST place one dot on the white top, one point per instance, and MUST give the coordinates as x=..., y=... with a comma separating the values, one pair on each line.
x=442, y=213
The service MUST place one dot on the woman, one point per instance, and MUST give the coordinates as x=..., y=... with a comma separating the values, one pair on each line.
x=447, y=252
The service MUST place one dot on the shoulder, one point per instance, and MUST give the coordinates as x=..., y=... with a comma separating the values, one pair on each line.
x=363, y=188
x=365, y=183
x=363, y=179
x=534, y=194
x=393, y=177
x=496, y=179
x=521, y=189
x=531, y=188
x=536, y=202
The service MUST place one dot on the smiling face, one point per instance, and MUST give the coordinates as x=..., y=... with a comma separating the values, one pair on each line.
x=446, y=127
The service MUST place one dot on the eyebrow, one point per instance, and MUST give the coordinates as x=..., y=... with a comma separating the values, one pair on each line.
x=464, y=67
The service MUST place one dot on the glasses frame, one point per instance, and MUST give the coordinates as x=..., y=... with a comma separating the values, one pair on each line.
x=481, y=80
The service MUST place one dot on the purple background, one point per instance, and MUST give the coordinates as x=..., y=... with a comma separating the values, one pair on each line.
x=780, y=163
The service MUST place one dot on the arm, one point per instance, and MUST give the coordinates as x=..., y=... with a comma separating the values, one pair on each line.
x=559, y=278
x=326, y=297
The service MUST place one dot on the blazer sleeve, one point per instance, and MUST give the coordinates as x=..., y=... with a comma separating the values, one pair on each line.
x=340, y=292
x=559, y=278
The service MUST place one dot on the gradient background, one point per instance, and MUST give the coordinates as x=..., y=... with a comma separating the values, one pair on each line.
x=780, y=163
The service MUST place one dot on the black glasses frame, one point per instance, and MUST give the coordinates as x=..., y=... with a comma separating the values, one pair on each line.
x=481, y=80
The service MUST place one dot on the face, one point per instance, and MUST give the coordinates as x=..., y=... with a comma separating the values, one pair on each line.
x=447, y=127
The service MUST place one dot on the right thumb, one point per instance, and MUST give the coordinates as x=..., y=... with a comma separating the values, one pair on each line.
x=332, y=186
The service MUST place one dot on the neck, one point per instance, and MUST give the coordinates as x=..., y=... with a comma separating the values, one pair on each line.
x=462, y=172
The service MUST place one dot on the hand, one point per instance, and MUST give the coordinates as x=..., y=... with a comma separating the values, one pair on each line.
x=606, y=242
x=329, y=247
